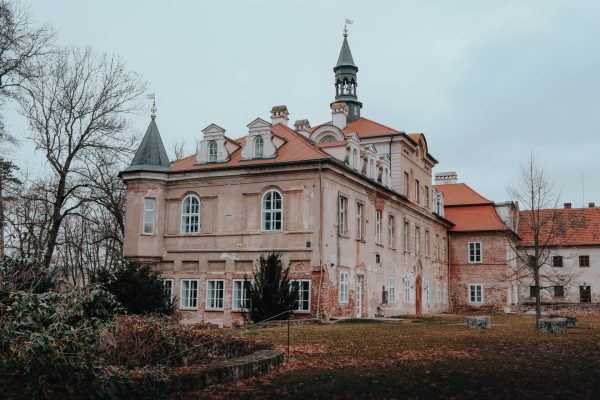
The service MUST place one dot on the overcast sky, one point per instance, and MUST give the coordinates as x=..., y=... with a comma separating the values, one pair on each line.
x=487, y=82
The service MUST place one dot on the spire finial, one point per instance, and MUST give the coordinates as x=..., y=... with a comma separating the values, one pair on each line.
x=348, y=22
x=152, y=96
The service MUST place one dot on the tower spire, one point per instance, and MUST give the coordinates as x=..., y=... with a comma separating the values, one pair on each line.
x=346, y=78
x=152, y=96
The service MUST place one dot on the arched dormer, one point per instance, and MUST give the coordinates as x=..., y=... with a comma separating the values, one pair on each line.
x=328, y=133
x=384, y=171
x=353, y=151
x=212, y=147
x=259, y=128
x=370, y=162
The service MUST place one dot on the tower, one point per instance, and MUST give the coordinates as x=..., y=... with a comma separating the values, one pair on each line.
x=346, y=81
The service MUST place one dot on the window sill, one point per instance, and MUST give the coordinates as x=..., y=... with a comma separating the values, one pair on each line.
x=188, y=308
x=345, y=235
x=362, y=240
x=379, y=244
x=301, y=312
x=214, y=309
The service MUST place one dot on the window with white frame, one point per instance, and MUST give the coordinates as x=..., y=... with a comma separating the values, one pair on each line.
x=302, y=286
x=406, y=290
x=241, y=294
x=474, y=252
x=417, y=240
x=272, y=211
x=215, y=294
x=392, y=290
x=342, y=215
x=168, y=288
x=190, y=214
x=427, y=293
x=391, y=231
x=406, y=228
x=343, y=288
x=476, y=293
x=355, y=159
x=371, y=169
x=437, y=247
x=378, y=227
x=360, y=220
x=438, y=293
x=259, y=146
x=427, y=251
x=445, y=293
x=212, y=151
x=189, y=293
x=149, y=210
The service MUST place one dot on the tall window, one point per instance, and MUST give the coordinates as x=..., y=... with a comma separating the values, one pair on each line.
x=241, y=294
x=360, y=220
x=474, y=252
x=427, y=243
x=215, y=294
x=417, y=240
x=189, y=293
x=377, y=226
x=427, y=293
x=438, y=293
x=343, y=288
x=406, y=290
x=417, y=191
x=476, y=294
x=272, y=211
x=406, y=228
x=303, y=288
x=371, y=169
x=355, y=159
x=190, y=214
x=427, y=196
x=342, y=215
x=259, y=145
x=437, y=246
x=392, y=290
x=168, y=287
x=445, y=293
x=212, y=151
x=149, y=210
x=406, y=184
x=391, y=231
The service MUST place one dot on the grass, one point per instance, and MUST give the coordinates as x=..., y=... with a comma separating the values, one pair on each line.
x=429, y=358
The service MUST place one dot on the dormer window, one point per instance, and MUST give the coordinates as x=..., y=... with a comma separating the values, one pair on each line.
x=371, y=169
x=328, y=139
x=259, y=147
x=212, y=151
x=355, y=159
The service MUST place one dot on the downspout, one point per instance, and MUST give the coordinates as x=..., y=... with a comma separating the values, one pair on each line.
x=448, y=261
x=320, y=243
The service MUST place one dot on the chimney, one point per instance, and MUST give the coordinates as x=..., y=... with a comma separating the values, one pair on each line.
x=339, y=112
x=279, y=115
x=446, y=177
x=302, y=126
x=591, y=205
x=567, y=205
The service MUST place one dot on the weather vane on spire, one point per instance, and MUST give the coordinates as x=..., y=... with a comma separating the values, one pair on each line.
x=152, y=96
x=348, y=22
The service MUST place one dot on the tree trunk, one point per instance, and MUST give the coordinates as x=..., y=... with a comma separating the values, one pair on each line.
x=1, y=218
x=538, y=303
x=56, y=221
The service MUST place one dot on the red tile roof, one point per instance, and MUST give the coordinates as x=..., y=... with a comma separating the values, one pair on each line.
x=460, y=194
x=563, y=226
x=296, y=148
x=365, y=128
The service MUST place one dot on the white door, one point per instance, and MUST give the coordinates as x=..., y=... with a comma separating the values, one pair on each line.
x=358, y=296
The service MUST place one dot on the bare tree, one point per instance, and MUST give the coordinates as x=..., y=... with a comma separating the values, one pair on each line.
x=178, y=150
x=77, y=111
x=8, y=180
x=540, y=226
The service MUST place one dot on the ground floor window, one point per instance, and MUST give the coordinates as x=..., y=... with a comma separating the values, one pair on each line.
x=168, y=287
x=215, y=294
x=438, y=293
x=406, y=290
x=532, y=291
x=241, y=294
x=392, y=291
x=585, y=294
x=476, y=293
x=445, y=294
x=303, y=288
x=559, y=291
x=343, y=290
x=189, y=293
x=427, y=293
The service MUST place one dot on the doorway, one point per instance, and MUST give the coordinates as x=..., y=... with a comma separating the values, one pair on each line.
x=358, y=296
x=418, y=296
x=585, y=294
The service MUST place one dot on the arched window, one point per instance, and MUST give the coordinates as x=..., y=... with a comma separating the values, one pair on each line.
x=190, y=214
x=355, y=159
x=259, y=147
x=212, y=151
x=371, y=169
x=272, y=211
x=328, y=139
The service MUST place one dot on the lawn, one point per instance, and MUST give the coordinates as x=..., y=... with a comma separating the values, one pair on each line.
x=428, y=358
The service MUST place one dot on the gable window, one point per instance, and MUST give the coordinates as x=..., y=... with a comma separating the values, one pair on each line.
x=190, y=214
x=417, y=240
x=343, y=289
x=355, y=159
x=302, y=286
x=427, y=243
x=215, y=294
x=557, y=261
x=259, y=145
x=327, y=139
x=212, y=151
x=168, y=288
x=417, y=191
x=474, y=252
x=559, y=291
x=149, y=210
x=406, y=291
x=391, y=231
x=378, y=227
x=342, y=215
x=371, y=169
x=406, y=227
x=241, y=294
x=360, y=220
x=584, y=261
x=189, y=293
x=475, y=294
x=272, y=211
x=392, y=290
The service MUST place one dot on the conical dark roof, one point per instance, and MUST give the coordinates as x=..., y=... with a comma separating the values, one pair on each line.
x=151, y=155
x=345, y=57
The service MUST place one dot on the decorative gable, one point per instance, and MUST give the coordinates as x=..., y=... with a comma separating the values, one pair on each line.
x=212, y=148
x=384, y=169
x=370, y=161
x=259, y=141
x=353, y=151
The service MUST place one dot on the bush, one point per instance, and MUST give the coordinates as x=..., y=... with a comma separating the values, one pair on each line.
x=49, y=341
x=270, y=291
x=23, y=275
x=139, y=289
